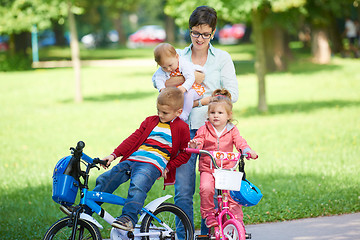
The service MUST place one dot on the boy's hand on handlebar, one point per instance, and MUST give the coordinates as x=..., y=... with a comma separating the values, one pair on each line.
x=109, y=159
x=252, y=154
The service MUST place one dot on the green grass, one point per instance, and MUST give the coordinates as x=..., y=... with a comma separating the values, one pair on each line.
x=308, y=142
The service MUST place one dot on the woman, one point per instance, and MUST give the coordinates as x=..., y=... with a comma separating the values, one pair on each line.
x=219, y=73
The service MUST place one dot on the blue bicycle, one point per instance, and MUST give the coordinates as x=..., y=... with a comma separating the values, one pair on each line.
x=158, y=220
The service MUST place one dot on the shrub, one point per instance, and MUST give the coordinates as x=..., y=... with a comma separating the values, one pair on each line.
x=18, y=62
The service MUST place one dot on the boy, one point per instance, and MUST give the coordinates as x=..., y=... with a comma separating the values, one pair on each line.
x=150, y=152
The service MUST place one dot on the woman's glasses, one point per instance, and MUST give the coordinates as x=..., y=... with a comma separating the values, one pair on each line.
x=197, y=35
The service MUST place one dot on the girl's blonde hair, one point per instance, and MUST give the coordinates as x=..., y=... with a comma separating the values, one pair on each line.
x=162, y=51
x=221, y=96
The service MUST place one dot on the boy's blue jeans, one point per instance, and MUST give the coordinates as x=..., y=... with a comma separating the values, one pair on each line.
x=142, y=178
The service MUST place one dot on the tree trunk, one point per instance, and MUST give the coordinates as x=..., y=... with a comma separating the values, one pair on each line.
x=59, y=34
x=320, y=46
x=274, y=40
x=335, y=35
x=120, y=30
x=75, y=54
x=287, y=50
x=269, y=43
x=170, y=29
x=260, y=64
x=19, y=43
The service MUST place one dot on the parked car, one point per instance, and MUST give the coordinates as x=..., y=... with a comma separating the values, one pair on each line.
x=4, y=46
x=46, y=38
x=149, y=35
x=231, y=34
x=93, y=40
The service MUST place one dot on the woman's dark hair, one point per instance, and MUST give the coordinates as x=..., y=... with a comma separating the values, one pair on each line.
x=203, y=15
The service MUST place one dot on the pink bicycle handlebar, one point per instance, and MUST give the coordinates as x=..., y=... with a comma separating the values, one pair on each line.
x=192, y=150
x=235, y=156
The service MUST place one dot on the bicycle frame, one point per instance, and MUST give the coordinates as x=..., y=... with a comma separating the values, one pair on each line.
x=223, y=195
x=158, y=220
x=90, y=199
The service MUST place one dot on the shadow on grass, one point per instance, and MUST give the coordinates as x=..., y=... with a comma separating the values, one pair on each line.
x=298, y=107
x=116, y=97
x=244, y=67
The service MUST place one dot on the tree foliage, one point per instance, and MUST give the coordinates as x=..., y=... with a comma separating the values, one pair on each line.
x=232, y=11
x=18, y=16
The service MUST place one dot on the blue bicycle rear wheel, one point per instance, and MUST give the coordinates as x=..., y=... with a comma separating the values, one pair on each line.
x=169, y=214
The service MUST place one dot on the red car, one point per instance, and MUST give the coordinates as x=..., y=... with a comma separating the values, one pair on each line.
x=147, y=36
x=4, y=46
x=231, y=34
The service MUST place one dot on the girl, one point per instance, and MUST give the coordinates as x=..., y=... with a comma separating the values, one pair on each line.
x=218, y=134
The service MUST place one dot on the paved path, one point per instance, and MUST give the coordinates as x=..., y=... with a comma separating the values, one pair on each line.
x=342, y=227
x=97, y=63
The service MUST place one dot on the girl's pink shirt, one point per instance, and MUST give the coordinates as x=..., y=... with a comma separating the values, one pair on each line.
x=209, y=141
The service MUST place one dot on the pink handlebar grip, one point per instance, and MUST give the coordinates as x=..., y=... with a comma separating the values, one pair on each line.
x=192, y=150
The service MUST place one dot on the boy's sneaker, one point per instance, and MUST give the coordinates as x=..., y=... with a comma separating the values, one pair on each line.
x=210, y=221
x=123, y=223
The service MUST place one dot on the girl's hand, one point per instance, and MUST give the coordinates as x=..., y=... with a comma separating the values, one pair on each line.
x=253, y=154
x=193, y=143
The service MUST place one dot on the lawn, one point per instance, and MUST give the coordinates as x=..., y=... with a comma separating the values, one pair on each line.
x=308, y=142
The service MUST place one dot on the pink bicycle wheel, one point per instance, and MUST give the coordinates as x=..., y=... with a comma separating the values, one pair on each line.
x=234, y=230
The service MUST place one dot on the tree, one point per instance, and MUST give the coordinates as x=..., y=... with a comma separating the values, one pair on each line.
x=17, y=18
x=116, y=9
x=75, y=53
x=322, y=14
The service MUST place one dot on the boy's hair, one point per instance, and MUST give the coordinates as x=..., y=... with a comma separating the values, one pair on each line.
x=221, y=96
x=203, y=15
x=163, y=50
x=171, y=96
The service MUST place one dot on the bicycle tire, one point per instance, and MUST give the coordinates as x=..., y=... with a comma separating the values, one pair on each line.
x=233, y=230
x=167, y=212
x=62, y=230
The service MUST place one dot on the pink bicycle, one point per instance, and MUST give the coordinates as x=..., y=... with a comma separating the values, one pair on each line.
x=228, y=184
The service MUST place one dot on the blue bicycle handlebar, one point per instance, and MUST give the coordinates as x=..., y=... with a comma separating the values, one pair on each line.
x=79, y=151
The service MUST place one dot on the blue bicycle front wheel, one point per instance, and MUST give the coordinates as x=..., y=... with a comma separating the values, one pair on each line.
x=62, y=229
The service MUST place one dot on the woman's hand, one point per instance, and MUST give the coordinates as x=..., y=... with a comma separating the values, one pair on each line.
x=199, y=77
x=204, y=101
x=174, y=81
x=183, y=90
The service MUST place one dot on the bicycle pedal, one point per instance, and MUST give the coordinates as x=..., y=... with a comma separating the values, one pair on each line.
x=247, y=235
x=202, y=237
